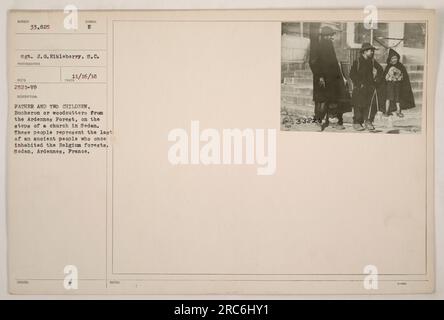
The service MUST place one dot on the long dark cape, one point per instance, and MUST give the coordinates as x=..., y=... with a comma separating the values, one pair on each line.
x=407, y=99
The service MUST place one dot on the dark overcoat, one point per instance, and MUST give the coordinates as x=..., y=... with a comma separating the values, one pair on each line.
x=364, y=83
x=324, y=63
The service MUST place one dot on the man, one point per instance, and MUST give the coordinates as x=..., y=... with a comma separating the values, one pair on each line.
x=330, y=94
x=367, y=76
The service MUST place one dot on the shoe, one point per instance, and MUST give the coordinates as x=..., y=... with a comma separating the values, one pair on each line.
x=358, y=127
x=400, y=114
x=338, y=126
x=369, y=126
x=324, y=125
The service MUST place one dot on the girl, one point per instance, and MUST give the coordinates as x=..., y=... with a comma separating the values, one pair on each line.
x=399, y=93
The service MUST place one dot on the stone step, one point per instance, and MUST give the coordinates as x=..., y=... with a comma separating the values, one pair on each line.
x=416, y=85
x=292, y=74
x=307, y=89
x=304, y=67
x=409, y=66
x=417, y=95
x=408, y=59
x=297, y=101
x=308, y=82
x=302, y=110
x=301, y=82
x=307, y=100
x=416, y=75
x=297, y=74
x=307, y=76
x=308, y=111
x=293, y=66
x=414, y=67
x=291, y=90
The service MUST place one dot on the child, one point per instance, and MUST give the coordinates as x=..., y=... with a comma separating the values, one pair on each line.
x=398, y=87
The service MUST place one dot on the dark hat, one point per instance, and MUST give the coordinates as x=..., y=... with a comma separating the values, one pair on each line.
x=326, y=31
x=366, y=46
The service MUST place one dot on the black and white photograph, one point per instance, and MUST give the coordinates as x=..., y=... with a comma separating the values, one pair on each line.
x=352, y=77
x=143, y=155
